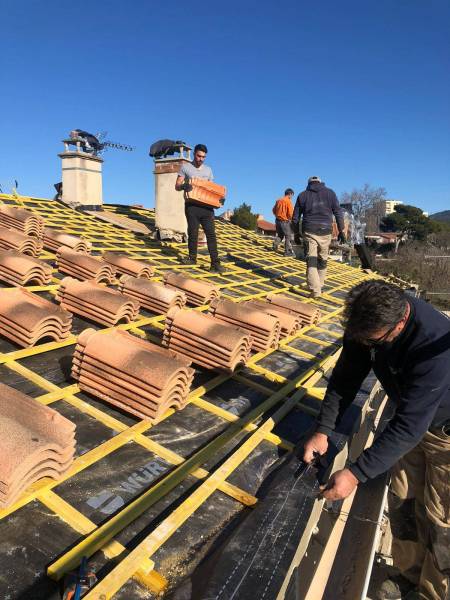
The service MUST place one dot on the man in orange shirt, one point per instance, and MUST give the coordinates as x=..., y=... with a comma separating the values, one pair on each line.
x=283, y=211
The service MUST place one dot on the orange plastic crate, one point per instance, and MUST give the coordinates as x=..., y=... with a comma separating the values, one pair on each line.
x=206, y=192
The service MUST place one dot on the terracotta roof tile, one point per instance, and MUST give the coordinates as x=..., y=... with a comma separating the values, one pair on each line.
x=21, y=219
x=26, y=318
x=83, y=266
x=266, y=225
x=308, y=313
x=54, y=239
x=129, y=266
x=18, y=269
x=265, y=329
x=132, y=374
x=289, y=321
x=96, y=302
x=152, y=295
x=207, y=192
x=198, y=292
x=36, y=442
x=209, y=342
x=16, y=240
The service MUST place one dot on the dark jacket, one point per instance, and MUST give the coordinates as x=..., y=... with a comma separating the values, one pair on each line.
x=317, y=205
x=415, y=373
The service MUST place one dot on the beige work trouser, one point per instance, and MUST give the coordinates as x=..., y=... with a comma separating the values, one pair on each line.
x=316, y=250
x=419, y=511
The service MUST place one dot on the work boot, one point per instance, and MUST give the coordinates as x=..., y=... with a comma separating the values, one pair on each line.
x=187, y=260
x=217, y=268
x=396, y=587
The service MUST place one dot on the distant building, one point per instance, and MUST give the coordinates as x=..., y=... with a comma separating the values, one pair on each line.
x=265, y=227
x=226, y=216
x=383, y=238
x=387, y=207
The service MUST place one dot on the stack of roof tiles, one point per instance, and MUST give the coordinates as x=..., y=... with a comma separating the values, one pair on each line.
x=83, y=266
x=129, y=266
x=22, y=220
x=11, y=239
x=198, y=292
x=36, y=442
x=152, y=295
x=209, y=342
x=307, y=313
x=18, y=269
x=26, y=318
x=54, y=239
x=289, y=321
x=264, y=329
x=136, y=376
x=96, y=302
x=207, y=192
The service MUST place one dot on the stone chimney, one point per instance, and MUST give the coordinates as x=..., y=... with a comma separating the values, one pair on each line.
x=169, y=204
x=81, y=176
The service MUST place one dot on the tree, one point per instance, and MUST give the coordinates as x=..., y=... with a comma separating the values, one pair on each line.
x=244, y=217
x=409, y=220
x=366, y=204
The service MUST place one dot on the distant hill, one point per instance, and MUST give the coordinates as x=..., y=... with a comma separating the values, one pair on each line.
x=444, y=215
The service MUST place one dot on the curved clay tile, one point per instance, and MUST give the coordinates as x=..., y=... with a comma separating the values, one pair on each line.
x=207, y=192
x=97, y=302
x=206, y=340
x=26, y=318
x=11, y=239
x=289, y=321
x=83, y=266
x=54, y=239
x=198, y=292
x=130, y=373
x=19, y=218
x=152, y=295
x=265, y=329
x=129, y=266
x=36, y=442
x=308, y=313
x=18, y=269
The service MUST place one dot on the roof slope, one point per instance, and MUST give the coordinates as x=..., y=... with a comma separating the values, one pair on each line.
x=122, y=460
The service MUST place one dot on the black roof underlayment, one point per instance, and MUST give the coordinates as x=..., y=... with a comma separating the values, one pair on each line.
x=224, y=549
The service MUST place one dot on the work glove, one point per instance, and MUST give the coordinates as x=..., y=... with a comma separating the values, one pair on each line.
x=342, y=238
x=187, y=187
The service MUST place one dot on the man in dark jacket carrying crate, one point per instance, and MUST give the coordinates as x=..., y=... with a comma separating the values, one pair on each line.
x=407, y=344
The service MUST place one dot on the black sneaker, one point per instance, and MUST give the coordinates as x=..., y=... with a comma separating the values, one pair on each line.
x=396, y=587
x=187, y=260
x=217, y=268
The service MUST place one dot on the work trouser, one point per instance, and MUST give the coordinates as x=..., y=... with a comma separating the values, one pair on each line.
x=419, y=512
x=316, y=251
x=284, y=231
x=204, y=216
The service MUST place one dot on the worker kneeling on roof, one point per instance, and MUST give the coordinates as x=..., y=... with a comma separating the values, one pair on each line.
x=196, y=213
x=407, y=344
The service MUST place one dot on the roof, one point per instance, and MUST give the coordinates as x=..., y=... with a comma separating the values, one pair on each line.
x=266, y=225
x=186, y=476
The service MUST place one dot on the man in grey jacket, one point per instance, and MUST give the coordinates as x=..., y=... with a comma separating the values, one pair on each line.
x=316, y=206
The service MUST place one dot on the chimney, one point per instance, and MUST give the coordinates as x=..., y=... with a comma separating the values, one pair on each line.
x=169, y=204
x=81, y=176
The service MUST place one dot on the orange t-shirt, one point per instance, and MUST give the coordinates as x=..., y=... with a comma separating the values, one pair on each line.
x=283, y=209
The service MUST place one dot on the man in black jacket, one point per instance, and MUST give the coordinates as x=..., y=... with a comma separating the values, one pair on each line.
x=316, y=207
x=407, y=344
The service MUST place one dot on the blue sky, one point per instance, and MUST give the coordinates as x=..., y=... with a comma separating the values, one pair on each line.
x=352, y=91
